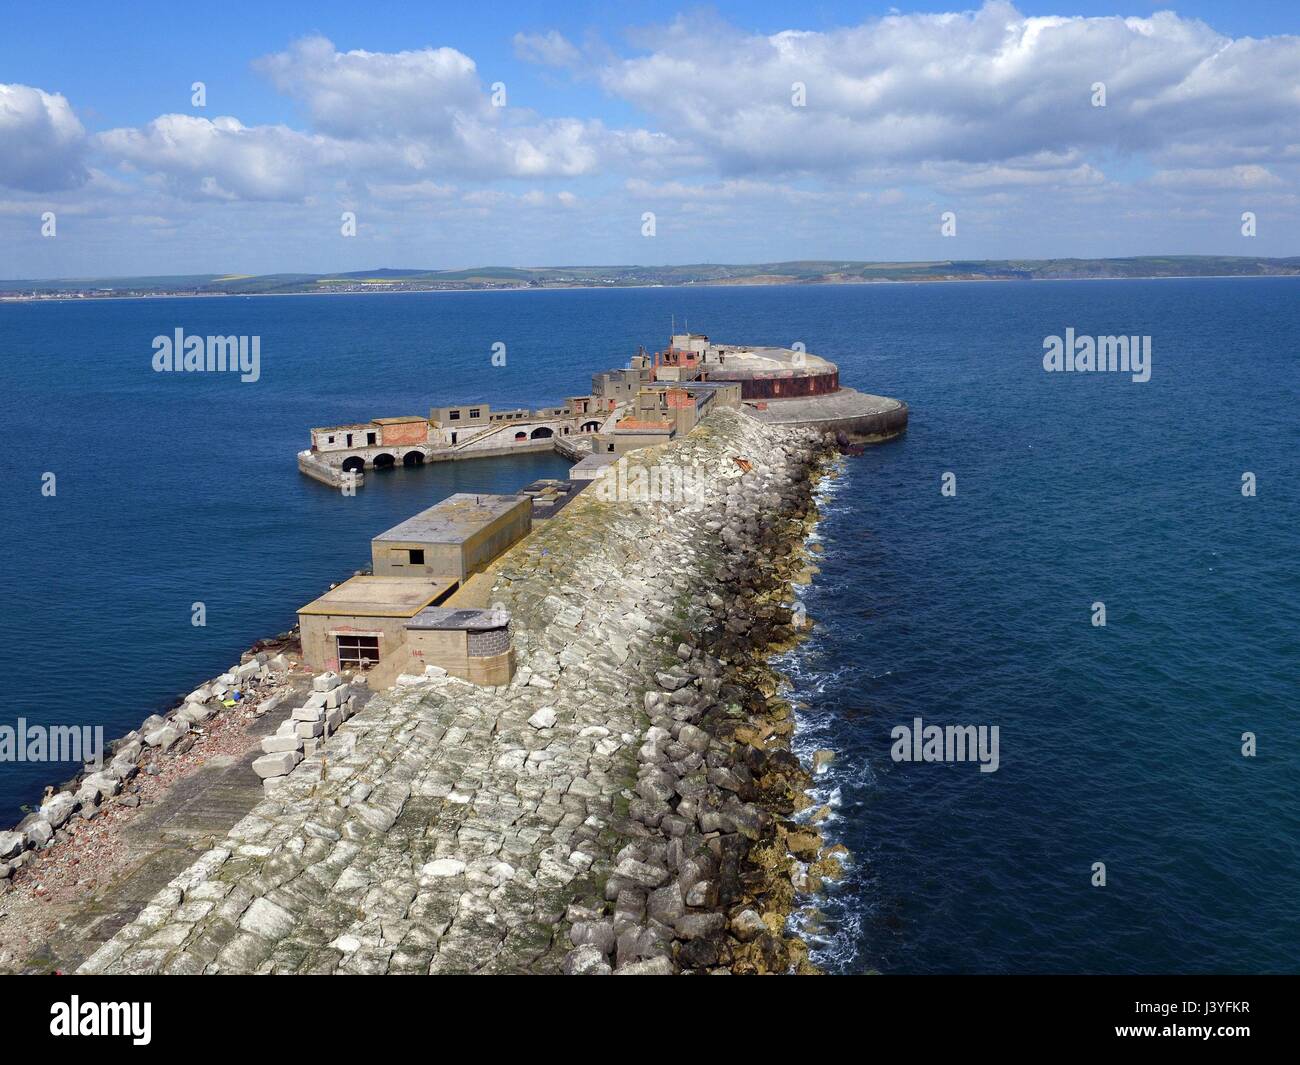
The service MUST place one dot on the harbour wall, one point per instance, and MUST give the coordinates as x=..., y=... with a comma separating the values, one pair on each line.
x=622, y=805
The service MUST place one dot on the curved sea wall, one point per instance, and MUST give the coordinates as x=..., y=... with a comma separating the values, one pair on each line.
x=859, y=415
x=621, y=806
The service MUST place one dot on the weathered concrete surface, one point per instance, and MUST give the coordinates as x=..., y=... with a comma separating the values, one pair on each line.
x=448, y=828
x=164, y=840
x=861, y=414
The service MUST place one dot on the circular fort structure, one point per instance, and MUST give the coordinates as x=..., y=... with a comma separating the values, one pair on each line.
x=782, y=386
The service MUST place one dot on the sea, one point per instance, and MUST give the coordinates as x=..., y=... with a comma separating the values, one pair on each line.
x=1144, y=813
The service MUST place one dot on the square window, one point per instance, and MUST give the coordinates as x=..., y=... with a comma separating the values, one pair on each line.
x=474, y=413
x=453, y=416
x=417, y=556
x=359, y=651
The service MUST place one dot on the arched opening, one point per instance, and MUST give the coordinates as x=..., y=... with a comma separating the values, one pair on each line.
x=353, y=462
x=413, y=458
x=541, y=432
x=590, y=427
x=385, y=461
x=521, y=435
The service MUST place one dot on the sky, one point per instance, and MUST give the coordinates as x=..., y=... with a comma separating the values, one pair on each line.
x=531, y=134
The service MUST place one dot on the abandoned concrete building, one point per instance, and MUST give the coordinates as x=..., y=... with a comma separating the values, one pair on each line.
x=423, y=604
x=358, y=623
x=373, y=622
x=654, y=398
x=454, y=538
x=473, y=644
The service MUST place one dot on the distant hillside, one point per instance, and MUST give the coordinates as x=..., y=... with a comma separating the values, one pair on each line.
x=803, y=272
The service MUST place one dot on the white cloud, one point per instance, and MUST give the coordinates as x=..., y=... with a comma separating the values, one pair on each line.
x=427, y=110
x=220, y=159
x=550, y=49
x=1228, y=177
x=361, y=95
x=976, y=88
x=985, y=112
x=41, y=141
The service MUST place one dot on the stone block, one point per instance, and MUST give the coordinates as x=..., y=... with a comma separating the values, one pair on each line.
x=276, y=765
x=281, y=744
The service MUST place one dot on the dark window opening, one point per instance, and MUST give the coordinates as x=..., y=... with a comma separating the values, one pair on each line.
x=359, y=652
x=370, y=438
x=349, y=439
x=474, y=413
x=417, y=556
x=453, y=416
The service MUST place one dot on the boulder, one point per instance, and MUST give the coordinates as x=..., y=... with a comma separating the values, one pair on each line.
x=641, y=874
x=443, y=867
x=281, y=744
x=694, y=925
x=38, y=833
x=649, y=967
x=104, y=785
x=164, y=737
x=747, y=925
x=58, y=809
x=598, y=934
x=585, y=960
x=544, y=718
x=325, y=682
x=276, y=765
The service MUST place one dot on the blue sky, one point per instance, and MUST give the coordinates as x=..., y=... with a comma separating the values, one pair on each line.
x=385, y=110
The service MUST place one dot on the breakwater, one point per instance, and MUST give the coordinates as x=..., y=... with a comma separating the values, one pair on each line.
x=620, y=806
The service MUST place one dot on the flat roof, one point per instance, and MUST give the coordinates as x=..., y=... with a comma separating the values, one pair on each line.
x=550, y=495
x=381, y=597
x=596, y=461
x=740, y=361
x=459, y=618
x=398, y=421
x=454, y=520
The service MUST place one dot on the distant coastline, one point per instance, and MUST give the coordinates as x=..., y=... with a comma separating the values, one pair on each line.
x=511, y=279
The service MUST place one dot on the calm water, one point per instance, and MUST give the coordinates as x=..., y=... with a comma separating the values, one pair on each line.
x=1119, y=745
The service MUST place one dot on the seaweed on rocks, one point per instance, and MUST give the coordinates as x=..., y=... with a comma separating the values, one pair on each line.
x=714, y=863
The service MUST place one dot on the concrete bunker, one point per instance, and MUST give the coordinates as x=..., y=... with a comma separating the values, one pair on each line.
x=470, y=643
x=360, y=623
x=454, y=538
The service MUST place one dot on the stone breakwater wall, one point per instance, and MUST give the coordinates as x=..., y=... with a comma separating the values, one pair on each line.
x=259, y=681
x=618, y=807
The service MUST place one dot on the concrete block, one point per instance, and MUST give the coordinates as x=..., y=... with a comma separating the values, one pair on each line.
x=324, y=682
x=276, y=765
x=280, y=744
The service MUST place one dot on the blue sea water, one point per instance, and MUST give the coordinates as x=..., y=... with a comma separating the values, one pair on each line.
x=1119, y=744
